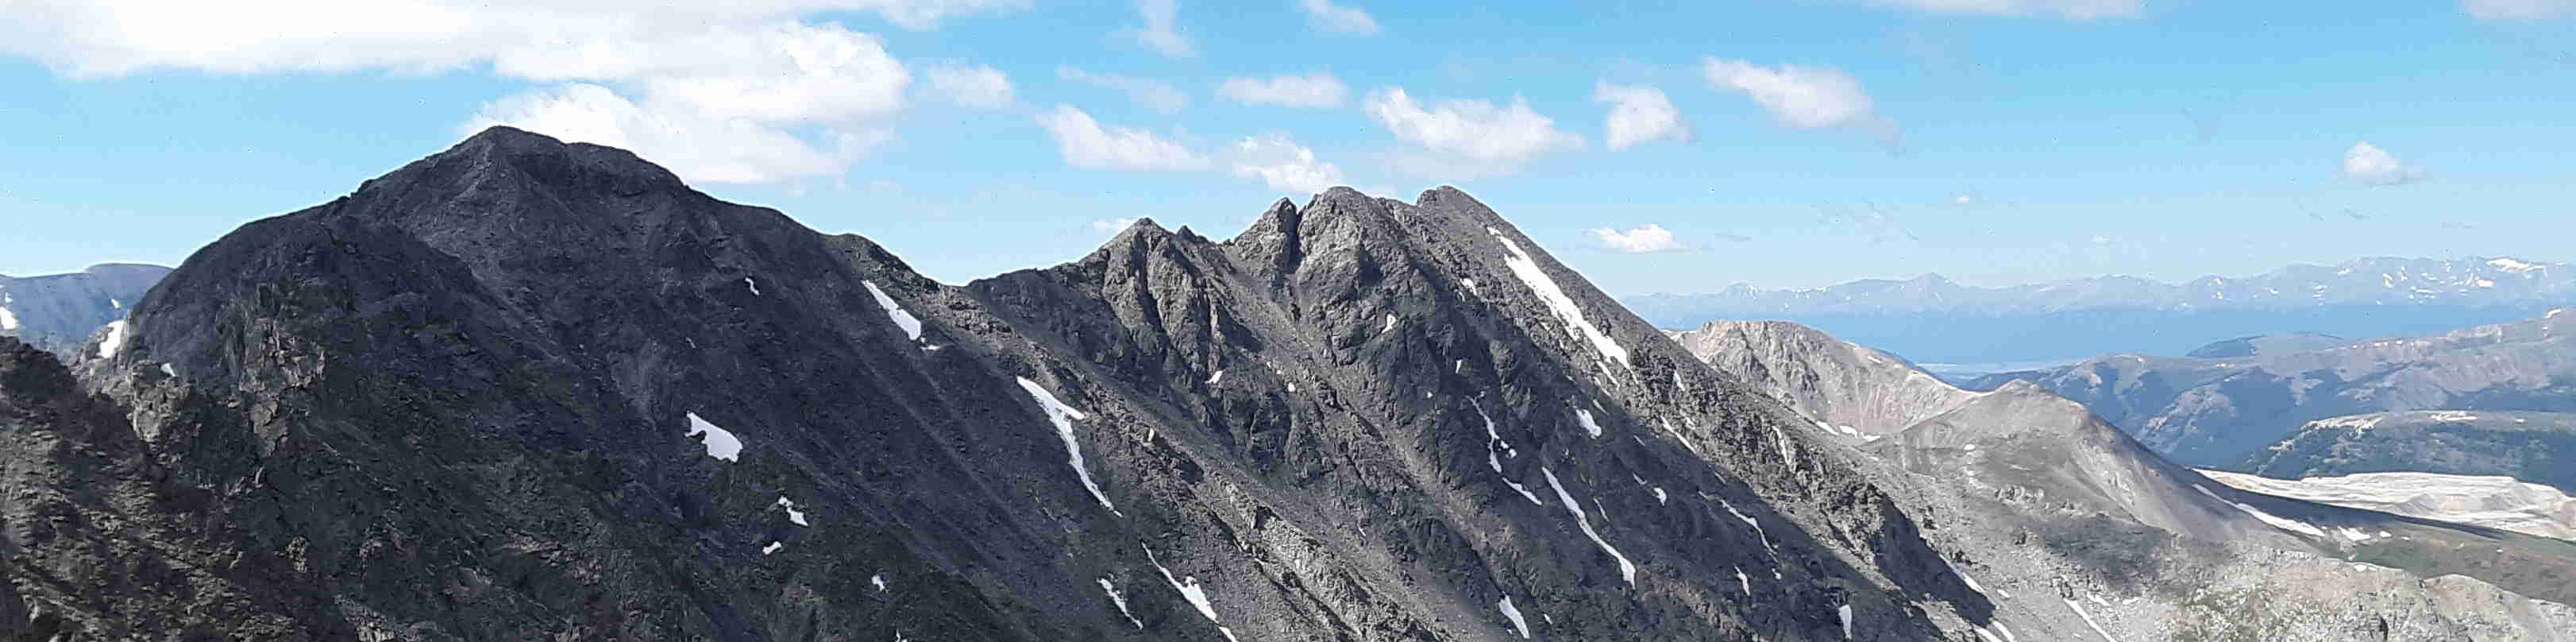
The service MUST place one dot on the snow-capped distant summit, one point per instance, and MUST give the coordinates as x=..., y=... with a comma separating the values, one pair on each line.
x=2472, y=281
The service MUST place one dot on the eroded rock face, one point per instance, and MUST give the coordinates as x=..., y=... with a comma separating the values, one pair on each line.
x=523, y=389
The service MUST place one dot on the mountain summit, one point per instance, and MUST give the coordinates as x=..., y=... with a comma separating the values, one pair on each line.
x=527, y=389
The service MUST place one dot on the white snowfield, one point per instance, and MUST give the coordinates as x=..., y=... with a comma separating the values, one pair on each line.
x=1063, y=416
x=1589, y=426
x=2498, y=502
x=1120, y=599
x=1539, y=283
x=8, y=320
x=902, y=319
x=794, y=516
x=720, y=443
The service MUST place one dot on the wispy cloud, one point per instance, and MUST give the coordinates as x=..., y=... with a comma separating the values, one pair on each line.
x=1318, y=89
x=1337, y=18
x=1161, y=31
x=2519, y=9
x=1638, y=114
x=1459, y=139
x=1642, y=239
x=1805, y=97
x=1085, y=143
x=2371, y=165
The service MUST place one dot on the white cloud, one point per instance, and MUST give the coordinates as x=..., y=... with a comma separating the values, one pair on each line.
x=736, y=91
x=979, y=86
x=1086, y=144
x=1804, y=97
x=2371, y=165
x=1282, y=164
x=1467, y=138
x=690, y=143
x=2071, y=9
x=1338, y=19
x=2519, y=9
x=1641, y=239
x=1153, y=94
x=1112, y=225
x=1639, y=114
x=1161, y=31
x=1317, y=89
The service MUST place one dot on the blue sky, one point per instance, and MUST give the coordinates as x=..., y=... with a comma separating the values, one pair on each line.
x=1783, y=144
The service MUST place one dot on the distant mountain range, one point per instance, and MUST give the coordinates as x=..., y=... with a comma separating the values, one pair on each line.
x=57, y=310
x=2215, y=412
x=1932, y=319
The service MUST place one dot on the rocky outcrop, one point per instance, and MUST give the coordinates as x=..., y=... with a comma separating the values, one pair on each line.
x=56, y=312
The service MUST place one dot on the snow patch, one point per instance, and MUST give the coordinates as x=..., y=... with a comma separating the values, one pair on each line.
x=8, y=320
x=1063, y=416
x=721, y=443
x=755, y=287
x=879, y=581
x=1585, y=417
x=902, y=319
x=772, y=547
x=1514, y=614
x=2511, y=265
x=1539, y=283
x=1121, y=600
x=168, y=371
x=2088, y=618
x=115, y=339
x=1745, y=582
x=1677, y=436
x=794, y=516
x=2452, y=416
x=1844, y=612
x=1190, y=590
x=1627, y=570
x=1496, y=449
x=1219, y=376
x=1748, y=521
x=1390, y=324
x=2276, y=521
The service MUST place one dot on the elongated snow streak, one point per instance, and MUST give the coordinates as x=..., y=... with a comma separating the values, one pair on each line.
x=1557, y=301
x=772, y=547
x=1988, y=637
x=115, y=339
x=1514, y=614
x=1845, y=612
x=721, y=444
x=1063, y=416
x=1748, y=521
x=755, y=287
x=1972, y=582
x=1190, y=590
x=793, y=515
x=1677, y=436
x=1787, y=457
x=2007, y=631
x=1627, y=571
x=911, y=325
x=2276, y=521
x=1585, y=417
x=1121, y=600
x=2088, y=619
x=1741, y=580
x=1495, y=445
